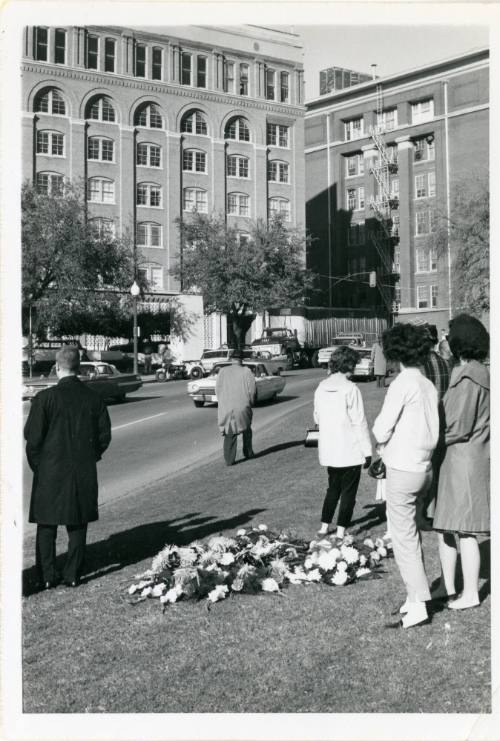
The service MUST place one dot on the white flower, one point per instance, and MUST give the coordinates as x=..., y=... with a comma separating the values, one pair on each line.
x=308, y=563
x=369, y=543
x=336, y=552
x=262, y=527
x=226, y=558
x=382, y=551
x=143, y=584
x=241, y=531
x=362, y=572
x=314, y=575
x=188, y=556
x=327, y=561
x=146, y=591
x=362, y=560
x=341, y=566
x=171, y=596
x=375, y=556
x=158, y=590
x=132, y=589
x=270, y=585
x=218, y=593
x=339, y=578
x=324, y=543
x=350, y=554
x=348, y=539
x=379, y=543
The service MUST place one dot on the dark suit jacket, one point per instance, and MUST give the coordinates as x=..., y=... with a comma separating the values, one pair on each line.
x=67, y=430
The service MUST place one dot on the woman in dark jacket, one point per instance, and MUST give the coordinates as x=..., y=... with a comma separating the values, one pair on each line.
x=463, y=499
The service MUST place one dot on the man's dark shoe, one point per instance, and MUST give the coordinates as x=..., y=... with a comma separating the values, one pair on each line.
x=249, y=455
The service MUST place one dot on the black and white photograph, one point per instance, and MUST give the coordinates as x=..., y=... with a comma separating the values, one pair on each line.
x=245, y=370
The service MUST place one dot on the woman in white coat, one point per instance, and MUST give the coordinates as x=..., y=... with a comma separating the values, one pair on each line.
x=344, y=439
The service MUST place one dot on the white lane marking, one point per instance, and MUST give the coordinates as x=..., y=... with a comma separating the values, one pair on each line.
x=136, y=421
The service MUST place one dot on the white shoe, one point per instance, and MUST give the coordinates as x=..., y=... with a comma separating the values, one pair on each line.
x=404, y=607
x=416, y=615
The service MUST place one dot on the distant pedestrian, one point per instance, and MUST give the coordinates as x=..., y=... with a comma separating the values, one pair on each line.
x=379, y=362
x=148, y=359
x=67, y=431
x=344, y=439
x=463, y=499
x=236, y=392
x=444, y=347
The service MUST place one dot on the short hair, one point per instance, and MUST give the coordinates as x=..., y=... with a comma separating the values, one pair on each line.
x=468, y=338
x=343, y=360
x=68, y=357
x=407, y=343
x=433, y=333
x=237, y=355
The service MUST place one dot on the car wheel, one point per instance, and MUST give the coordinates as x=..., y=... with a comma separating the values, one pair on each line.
x=161, y=376
x=315, y=359
x=121, y=398
x=199, y=403
x=289, y=360
x=196, y=373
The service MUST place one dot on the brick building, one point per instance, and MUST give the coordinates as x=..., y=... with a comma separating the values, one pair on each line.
x=333, y=79
x=160, y=123
x=382, y=160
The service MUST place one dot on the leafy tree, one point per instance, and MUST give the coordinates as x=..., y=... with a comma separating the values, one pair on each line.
x=239, y=280
x=467, y=231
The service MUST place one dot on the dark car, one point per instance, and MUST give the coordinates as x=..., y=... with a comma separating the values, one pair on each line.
x=102, y=377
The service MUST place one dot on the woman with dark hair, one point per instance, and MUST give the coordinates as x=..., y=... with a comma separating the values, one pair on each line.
x=463, y=500
x=407, y=430
x=344, y=439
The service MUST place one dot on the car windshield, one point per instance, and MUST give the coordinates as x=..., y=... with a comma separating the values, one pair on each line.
x=217, y=368
x=364, y=352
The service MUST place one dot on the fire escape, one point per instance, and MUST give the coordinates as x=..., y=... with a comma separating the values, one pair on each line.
x=385, y=205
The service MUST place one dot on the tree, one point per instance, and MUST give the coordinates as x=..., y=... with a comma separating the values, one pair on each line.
x=467, y=232
x=241, y=279
x=73, y=278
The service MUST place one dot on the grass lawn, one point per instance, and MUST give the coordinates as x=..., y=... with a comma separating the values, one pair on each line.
x=312, y=649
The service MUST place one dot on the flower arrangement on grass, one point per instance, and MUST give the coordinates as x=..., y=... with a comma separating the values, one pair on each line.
x=255, y=560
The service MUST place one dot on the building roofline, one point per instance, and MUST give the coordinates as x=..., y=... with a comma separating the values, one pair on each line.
x=427, y=69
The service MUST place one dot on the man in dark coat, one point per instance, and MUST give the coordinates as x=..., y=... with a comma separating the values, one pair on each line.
x=236, y=391
x=67, y=431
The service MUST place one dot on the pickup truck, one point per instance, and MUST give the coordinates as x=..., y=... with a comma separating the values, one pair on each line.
x=281, y=344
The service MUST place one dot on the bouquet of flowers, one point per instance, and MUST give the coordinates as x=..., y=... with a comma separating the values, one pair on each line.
x=255, y=560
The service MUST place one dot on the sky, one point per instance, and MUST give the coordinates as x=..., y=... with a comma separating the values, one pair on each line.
x=392, y=48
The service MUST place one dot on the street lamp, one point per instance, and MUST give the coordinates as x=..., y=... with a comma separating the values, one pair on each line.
x=135, y=291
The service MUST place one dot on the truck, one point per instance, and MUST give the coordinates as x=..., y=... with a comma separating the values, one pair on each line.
x=282, y=344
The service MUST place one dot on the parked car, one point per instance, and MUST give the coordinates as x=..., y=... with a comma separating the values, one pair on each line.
x=364, y=367
x=104, y=378
x=354, y=340
x=203, y=366
x=268, y=386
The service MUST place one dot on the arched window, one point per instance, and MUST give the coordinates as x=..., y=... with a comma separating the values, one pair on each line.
x=195, y=199
x=279, y=206
x=149, y=194
x=50, y=183
x=278, y=172
x=50, y=143
x=100, y=148
x=101, y=190
x=101, y=109
x=50, y=101
x=149, y=234
x=237, y=166
x=194, y=160
x=148, y=155
x=148, y=116
x=238, y=130
x=194, y=123
x=103, y=228
x=238, y=204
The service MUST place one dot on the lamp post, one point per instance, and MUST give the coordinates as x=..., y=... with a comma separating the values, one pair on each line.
x=135, y=291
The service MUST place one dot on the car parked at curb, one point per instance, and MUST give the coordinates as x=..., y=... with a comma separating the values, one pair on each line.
x=203, y=366
x=202, y=391
x=104, y=378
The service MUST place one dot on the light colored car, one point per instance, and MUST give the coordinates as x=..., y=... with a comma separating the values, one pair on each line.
x=104, y=378
x=354, y=340
x=268, y=386
x=209, y=358
x=364, y=367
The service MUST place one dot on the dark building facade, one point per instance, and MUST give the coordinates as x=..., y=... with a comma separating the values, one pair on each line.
x=333, y=79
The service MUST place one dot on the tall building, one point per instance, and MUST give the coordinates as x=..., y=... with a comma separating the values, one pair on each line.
x=159, y=122
x=383, y=159
x=333, y=79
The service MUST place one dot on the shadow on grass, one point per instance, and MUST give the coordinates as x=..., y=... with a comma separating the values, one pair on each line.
x=277, y=448
x=141, y=542
x=375, y=517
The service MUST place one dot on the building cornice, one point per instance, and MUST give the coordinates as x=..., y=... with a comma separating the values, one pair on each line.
x=195, y=94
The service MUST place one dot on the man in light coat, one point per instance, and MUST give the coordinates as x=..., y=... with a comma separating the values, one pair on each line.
x=379, y=363
x=236, y=394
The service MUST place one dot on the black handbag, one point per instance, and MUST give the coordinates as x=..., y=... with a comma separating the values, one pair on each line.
x=377, y=469
x=312, y=437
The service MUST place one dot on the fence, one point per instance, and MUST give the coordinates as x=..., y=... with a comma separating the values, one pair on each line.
x=320, y=332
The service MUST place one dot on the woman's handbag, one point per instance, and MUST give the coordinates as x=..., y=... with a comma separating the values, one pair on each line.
x=312, y=437
x=377, y=469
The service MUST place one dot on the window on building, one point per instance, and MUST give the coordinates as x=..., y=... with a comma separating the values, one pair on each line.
x=421, y=186
x=148, y=194
x=50, y=101
x=229, y=82
x=101, y=190
x=100, y=148
x=434, y=297
x=149, y=234
x=243, y=238
x=148, y=155
x=270, y=84
x=243, y=79
x=109, y=55
x=277, y=135
x=433, y=259
x=50, y=143
x=186, y=62
x=50, y=183
x=41, y=43
x=238, y=130
x=92, y=60
x=195, y=199
x=279, y=206
x=193, y=160
x=101, y=109
x=424, y=150
x=422, y=297
x=422, y=260
x=194, y=123
x=353, y=129
x=396, y=265
x=432, y=183
x=149, y=116
x=394, y=188
x=355, y=165
x=60, y=46
x=422, y=111
x=392, y=153
x=387, y=120
x=140, y=60
x=237, y=166
x=422, y=222
x=157, y=63
x=284, y=87
x=153, y=276
x=355, y=198
x=395, y=225
x=278, y=172
x=238, y=204
x=201, y=71
x=103, y=228
x=397, y=297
